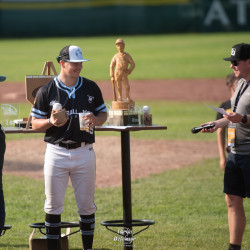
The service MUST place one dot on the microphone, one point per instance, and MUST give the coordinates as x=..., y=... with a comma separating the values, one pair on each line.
x=195, y=130
x=2, y=78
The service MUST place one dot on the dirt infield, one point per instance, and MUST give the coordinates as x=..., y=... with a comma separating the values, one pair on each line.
x=178, y=89
x=147, y=157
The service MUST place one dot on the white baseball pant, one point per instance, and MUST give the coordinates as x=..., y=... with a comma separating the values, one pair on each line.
x=80, y=165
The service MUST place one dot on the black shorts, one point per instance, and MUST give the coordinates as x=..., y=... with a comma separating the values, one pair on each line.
x=237, y=175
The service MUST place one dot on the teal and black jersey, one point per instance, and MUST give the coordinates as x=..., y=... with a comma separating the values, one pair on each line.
x=85, y=96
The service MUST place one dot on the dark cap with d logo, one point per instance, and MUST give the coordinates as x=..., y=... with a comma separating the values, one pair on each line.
x=239, y=52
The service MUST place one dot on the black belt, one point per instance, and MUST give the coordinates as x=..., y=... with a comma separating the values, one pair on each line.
x=71, y=145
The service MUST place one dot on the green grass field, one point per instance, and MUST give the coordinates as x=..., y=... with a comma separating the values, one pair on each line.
x=187, y=204
x=156, y=57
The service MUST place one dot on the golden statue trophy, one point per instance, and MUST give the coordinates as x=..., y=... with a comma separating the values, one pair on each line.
x=122, y=112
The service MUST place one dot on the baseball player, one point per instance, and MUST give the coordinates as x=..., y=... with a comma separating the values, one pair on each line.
x=69, y=151
x=121, y=66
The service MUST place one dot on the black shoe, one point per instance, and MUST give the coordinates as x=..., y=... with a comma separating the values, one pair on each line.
x=234, y=247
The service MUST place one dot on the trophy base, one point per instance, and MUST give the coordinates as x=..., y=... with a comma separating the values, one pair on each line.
x=146, y=119
x=123, y=117
x=123, y=105
x=21, y=123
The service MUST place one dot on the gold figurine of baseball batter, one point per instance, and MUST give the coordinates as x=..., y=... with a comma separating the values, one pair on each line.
x=121, y=66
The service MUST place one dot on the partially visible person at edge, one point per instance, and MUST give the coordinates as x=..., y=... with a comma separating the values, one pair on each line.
x=224, y=149
x=69, y=152
x=2, y=151
x=2, y=205
x=237, y=171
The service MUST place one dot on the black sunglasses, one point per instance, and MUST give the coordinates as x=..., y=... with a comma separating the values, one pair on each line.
x=235, y=63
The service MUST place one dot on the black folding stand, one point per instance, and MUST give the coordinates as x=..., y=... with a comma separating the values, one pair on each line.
x=68, y=224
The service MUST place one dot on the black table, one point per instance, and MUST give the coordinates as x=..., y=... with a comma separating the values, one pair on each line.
x=127, y=221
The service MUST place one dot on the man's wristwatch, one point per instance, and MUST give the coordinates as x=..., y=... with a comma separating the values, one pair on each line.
x=244, y=119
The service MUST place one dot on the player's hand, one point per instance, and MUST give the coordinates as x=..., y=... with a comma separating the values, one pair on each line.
x=234, y=117
x=90, y=119
x=98, y=120
x=55, y=122
x=210, y=130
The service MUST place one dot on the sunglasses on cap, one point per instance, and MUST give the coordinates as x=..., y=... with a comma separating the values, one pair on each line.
x=234, y=63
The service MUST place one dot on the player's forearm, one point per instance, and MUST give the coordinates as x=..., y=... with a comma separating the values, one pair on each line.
x=40, y=124
x=100, y=118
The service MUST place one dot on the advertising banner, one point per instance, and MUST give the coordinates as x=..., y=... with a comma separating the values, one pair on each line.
x=29, y=18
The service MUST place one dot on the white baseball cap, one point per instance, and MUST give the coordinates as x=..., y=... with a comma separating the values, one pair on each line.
x=71, y=53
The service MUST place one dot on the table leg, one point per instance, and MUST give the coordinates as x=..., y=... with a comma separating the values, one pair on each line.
x=126, y=184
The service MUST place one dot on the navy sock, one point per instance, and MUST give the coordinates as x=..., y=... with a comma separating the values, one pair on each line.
x=87, y=226
x=53, y=231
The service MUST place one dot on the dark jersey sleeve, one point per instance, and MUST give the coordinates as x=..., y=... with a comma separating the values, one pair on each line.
x=99, y=102
x=41, y=107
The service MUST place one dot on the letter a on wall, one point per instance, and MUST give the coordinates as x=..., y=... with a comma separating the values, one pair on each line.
x=216, y=13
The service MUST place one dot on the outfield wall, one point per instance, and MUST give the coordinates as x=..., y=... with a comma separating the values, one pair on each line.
x=113, y=17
